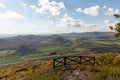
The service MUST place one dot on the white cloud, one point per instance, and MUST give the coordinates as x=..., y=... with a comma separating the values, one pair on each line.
x=67, y=21
x=2, y=5
x=51, y=22
x=97, y=10
x=47, y=7
x=110, y=11
x=108, y=22
x=42, y=2
x=10, y=14
x=91, y=25
x=93, y=11
x=23, y=4
x=78, y=10
x=7, y=32
x=32, y=6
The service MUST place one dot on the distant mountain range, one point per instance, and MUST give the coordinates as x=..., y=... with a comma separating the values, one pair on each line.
x=7, y=35
x=29, y=44
x=85, y=34
x=89, y=34
x=13, y=41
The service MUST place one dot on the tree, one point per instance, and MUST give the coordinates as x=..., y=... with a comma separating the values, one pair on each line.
x=116, y=27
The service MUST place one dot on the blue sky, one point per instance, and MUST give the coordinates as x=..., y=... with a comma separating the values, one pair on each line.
x=56, y=16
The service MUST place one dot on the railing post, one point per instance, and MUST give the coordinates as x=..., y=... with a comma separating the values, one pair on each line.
x=53, y=63
x=65, y=62
x=80, y=60
x=93, y=60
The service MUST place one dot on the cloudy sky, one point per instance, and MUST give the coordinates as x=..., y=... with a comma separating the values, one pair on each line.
x=56, y=16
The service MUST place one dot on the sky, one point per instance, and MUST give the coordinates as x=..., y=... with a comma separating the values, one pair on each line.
x=57, y=16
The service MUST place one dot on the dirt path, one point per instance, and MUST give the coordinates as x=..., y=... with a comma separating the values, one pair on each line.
x=77, y=74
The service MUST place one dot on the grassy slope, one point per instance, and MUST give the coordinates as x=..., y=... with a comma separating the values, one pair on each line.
x=109, y=69
x=11, y=72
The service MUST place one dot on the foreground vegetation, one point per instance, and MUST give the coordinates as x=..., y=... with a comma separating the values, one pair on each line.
x=106, y=73
x=11, y=72
x=107, y=68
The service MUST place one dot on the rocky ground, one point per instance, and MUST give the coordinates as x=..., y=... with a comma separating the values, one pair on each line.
x=77, y=74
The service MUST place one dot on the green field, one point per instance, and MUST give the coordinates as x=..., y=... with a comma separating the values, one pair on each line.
x=48, y=47
x=6, y=52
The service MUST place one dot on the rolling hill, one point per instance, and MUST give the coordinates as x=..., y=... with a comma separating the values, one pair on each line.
x=27, y=47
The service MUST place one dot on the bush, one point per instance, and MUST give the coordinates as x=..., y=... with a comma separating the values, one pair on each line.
x=106, y=58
